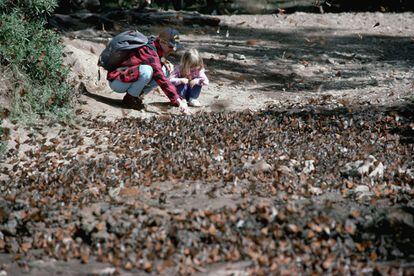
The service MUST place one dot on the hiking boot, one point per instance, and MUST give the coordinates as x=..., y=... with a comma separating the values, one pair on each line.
x=133, y=102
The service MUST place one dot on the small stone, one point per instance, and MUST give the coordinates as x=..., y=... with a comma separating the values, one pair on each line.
x=362, y=189
x=4, y=211
x=104, y=272
x=315, y=190
x=378, y=172
x=101, y=236
x=9, y=228
x=350, y=227
x=309, y=167
x=239, y=57
x=284, y=169
x=262, y=166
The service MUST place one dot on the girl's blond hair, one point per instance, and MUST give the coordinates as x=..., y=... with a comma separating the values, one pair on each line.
x=190, y=59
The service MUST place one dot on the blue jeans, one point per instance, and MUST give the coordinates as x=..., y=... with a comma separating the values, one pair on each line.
x=143, y=85
x=187, y=92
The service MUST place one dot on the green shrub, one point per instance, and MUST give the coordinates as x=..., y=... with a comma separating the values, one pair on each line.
x=3, y=142
x=35, y=56
x=129, y=3
x=31, y=8
x=3, y=146
x=32, y=97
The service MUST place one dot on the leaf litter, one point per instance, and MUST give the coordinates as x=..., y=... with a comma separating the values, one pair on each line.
x=303, y=190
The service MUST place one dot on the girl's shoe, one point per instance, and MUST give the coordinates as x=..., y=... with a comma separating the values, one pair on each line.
x=194, y=102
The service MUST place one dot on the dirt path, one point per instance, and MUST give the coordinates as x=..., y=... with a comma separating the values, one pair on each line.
x=254, y=61
x=311, y=176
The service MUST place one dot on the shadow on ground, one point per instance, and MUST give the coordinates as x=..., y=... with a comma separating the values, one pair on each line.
x=307, y=59
x=106, y=100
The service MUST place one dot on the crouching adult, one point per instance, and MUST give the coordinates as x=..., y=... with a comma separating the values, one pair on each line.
x=144, y=70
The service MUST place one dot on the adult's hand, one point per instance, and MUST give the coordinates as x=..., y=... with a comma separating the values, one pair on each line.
x=184, y=80
x=182, y=105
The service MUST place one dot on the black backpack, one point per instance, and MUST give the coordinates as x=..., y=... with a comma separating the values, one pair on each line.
x=120, y=47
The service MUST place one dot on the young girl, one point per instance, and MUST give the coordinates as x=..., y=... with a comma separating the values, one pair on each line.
x=190, y=76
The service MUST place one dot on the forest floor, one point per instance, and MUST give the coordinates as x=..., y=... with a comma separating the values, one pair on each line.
x=300, y=160
x=257, y=60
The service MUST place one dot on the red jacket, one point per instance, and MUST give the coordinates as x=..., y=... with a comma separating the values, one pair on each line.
x=148, y=56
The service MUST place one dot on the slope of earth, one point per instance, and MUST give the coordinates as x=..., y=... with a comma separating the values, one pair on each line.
x=305, y=164
x=253, y=61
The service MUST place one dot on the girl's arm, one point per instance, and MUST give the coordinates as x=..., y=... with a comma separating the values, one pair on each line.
x=203, y=76
x=175, y=76
x=201, y=79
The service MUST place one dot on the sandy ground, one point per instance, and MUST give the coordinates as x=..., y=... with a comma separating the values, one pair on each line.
x=254, y=61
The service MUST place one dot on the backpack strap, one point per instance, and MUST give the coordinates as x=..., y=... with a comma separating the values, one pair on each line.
x=150, y=44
